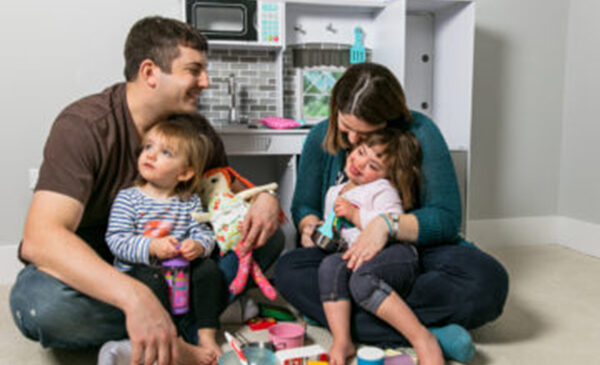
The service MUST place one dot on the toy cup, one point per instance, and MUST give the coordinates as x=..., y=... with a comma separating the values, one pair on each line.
x=177, y=275
x=370, y=356
x=286, y=335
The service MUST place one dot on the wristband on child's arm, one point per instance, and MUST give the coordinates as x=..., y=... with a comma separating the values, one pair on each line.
x=387, y=221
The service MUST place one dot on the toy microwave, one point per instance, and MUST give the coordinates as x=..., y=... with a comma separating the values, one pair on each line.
x=252, y=21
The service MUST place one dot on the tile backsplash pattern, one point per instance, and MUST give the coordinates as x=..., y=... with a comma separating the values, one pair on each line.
x=290, y=86
x=256, y=77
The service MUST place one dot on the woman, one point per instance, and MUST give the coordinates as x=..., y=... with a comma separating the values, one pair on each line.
x=458, y=287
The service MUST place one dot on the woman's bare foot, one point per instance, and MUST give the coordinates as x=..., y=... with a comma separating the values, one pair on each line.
x=428, y=350
x=340, y=351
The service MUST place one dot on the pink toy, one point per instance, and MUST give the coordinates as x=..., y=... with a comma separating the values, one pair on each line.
x=226, y=213
x=286, y=335
x=176, y=269
x=279, y=123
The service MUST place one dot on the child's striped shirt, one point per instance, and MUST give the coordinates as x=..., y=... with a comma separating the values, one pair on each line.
x=136, y=219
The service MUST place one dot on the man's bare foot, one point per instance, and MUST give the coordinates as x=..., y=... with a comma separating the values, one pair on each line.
x=196, y=355
x=340, y=351
x=428, y=350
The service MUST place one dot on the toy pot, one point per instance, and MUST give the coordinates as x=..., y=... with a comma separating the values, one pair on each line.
x=286, y=335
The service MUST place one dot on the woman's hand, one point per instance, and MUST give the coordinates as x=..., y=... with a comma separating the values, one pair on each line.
x=307, y=228
x=191, y=249
x=368, y=244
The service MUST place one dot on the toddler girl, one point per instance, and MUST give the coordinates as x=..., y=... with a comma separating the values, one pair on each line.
x=384, y=164
x=152, y=221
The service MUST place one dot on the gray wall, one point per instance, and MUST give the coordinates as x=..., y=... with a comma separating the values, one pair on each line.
x=53, y=52
x=517, y=107
x=580, y=167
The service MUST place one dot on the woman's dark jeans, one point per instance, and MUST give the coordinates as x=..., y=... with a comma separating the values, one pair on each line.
x=393, y=269
x=457, y=284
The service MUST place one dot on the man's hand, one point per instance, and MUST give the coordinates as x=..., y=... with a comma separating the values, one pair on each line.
x=260, y=222
x=191, y=249
x=164, y=248
x=151, y=331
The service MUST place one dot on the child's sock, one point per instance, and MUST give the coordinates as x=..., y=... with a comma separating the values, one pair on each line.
x=239, y=282
x=262, y=282
x=455, y=341
x=115, y=353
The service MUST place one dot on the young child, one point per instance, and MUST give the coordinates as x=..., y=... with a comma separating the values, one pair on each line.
x=382, y=165
x=152, y=221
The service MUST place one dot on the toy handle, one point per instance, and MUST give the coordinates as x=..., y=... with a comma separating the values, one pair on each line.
x=326, y=228
x=358, y=33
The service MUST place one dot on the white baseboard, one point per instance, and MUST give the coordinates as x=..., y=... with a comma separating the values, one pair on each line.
x=9, y=263
x=578, y=235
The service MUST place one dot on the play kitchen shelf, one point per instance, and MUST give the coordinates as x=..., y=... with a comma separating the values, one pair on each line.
x=244, y=141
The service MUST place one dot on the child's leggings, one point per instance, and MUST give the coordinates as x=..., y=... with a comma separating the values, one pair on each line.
x=393, y=269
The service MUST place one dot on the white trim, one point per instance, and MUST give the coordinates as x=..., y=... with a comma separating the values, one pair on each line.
x=9, y=263
x=578, y=235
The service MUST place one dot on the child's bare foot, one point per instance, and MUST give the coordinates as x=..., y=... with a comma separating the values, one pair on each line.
x=211, y=344
x=428, y=350
x=340, y=351
x=194, y=355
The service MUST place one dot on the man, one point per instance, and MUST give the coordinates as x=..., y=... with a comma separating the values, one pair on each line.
x=69, y=295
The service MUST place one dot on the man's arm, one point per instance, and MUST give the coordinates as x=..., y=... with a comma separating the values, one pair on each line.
x=50, y=243
x=262, y=218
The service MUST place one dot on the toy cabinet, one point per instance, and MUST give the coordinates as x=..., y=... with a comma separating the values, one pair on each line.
x=428, y=44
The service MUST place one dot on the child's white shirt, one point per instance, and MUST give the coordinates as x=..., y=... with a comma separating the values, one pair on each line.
x=372, y=199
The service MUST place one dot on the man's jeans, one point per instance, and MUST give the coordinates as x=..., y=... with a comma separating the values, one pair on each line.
x=47, y=310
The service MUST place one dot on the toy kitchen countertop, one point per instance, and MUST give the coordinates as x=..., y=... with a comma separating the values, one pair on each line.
x=249, y=140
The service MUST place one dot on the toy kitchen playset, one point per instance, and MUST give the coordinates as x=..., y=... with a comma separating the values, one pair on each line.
x=281, y=58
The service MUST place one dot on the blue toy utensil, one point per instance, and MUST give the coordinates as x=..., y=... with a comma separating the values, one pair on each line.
x=357, y=51
x=326, y=229
x=325, y=236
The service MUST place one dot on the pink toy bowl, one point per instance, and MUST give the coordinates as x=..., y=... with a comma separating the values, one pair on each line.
x=286, y=335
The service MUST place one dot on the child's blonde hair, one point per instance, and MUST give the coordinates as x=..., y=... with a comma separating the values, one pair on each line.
x=180, y=132
x=402, y=154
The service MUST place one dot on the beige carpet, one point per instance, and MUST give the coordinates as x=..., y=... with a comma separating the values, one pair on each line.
x=551, y=317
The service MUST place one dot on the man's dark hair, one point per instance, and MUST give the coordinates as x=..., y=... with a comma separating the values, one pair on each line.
x=157, y=38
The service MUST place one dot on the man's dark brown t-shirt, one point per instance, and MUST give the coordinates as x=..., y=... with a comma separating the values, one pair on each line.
x=91, y=154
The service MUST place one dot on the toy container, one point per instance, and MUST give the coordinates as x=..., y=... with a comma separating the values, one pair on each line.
x=177, y=275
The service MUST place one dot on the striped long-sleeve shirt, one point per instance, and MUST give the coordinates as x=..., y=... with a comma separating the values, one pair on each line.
x=136, y=219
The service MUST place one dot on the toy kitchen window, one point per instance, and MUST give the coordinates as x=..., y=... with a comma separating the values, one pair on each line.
x=314, y=91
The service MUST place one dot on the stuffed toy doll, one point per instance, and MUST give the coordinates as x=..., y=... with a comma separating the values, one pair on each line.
x=226, y=213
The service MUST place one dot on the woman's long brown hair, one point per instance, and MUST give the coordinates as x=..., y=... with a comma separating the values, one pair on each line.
x=370, y=92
